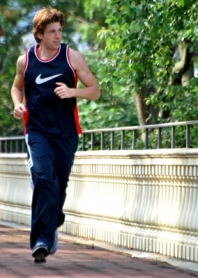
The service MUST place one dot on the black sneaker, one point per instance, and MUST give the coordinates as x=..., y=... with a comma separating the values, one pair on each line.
x=40, y=252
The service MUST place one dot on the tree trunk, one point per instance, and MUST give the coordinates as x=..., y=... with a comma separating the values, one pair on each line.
x=144, y=111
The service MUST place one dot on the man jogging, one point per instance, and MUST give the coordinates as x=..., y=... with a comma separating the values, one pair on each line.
x=48, y=74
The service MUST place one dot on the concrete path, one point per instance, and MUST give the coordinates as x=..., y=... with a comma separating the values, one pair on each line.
x=81, y=258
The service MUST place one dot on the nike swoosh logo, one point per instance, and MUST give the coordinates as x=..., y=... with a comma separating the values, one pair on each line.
x=40, y=80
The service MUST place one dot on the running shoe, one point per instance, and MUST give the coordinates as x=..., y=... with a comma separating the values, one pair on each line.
x=40, y=252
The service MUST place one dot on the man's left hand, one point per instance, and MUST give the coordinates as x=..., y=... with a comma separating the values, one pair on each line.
x=62, y=91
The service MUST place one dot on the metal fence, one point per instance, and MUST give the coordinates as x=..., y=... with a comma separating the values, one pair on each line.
x=131, y=137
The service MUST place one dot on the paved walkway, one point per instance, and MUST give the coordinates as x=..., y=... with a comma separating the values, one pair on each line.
x=77, y=258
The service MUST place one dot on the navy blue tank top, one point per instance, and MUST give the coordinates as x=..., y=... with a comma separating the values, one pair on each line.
x=46, y=112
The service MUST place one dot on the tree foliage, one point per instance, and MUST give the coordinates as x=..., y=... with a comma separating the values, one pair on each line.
x=9, y=51
x=130, y=46
x=83, y=20
x=142, y=37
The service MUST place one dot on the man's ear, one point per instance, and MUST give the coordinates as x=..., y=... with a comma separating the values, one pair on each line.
x=39, y=36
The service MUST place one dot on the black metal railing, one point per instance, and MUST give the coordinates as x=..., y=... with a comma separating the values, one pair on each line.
x=13, y=144
x=142, y=135
x=131, y=137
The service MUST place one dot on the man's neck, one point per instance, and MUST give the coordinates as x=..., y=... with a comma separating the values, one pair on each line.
x=45, y=53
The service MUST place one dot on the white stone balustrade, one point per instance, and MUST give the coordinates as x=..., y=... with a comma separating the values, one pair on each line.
x=146, y=200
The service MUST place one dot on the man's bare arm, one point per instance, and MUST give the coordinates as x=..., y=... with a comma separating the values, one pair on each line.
x=17, y=89
x=91, y=91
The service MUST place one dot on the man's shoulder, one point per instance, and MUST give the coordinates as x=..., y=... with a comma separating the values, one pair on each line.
x=21, y=60
x=74, y=53
x=75, y=57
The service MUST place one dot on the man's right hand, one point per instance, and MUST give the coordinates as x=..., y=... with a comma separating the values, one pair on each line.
x=19, y=110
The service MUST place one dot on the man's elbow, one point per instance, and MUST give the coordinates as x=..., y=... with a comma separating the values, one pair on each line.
x=97, y=94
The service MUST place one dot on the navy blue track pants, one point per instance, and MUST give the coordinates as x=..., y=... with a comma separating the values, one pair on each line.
x=50, y=162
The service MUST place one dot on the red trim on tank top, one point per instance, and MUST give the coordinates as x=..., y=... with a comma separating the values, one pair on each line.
x=76, y=116
x=25, y=119
x=72, y=68
x=25, y=115
x=45, y=60
x=26, y=61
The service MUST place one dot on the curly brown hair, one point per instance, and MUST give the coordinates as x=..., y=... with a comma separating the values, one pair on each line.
x=43, y=17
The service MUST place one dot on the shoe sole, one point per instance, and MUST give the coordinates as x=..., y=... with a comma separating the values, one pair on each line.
x=40, y=258
x=40, y=254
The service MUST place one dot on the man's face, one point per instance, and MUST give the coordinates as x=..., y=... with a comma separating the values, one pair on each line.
x=52, y=36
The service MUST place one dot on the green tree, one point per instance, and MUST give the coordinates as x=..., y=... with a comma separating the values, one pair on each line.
x=9, y=51
x=141, y=39
x=83, y=20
